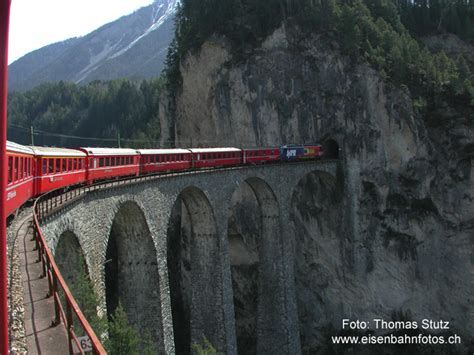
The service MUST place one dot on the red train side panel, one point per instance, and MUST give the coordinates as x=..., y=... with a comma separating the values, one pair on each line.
x=261, y=155
x=216, y=157
x=21, y=174
x=57, y=168
x=106, y=163
x=160, y=160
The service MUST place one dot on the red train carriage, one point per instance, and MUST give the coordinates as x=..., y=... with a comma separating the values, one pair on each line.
x=158, y=160
x=106, y=163
x=21, y=173
x=58, y=167
x=261, y=155
x=215, y=157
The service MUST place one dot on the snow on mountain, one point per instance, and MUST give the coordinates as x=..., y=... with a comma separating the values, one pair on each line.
x=158, y=18
x=133, y=46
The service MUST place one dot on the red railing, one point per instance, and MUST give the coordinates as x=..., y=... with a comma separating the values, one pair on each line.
x=57, y=284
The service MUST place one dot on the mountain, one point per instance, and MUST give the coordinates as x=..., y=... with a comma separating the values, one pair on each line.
x=134, y=46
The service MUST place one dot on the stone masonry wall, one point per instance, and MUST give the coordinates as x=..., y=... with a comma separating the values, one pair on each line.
x=91, y=220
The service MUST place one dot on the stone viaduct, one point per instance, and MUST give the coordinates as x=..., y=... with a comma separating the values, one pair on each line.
x=179, y=292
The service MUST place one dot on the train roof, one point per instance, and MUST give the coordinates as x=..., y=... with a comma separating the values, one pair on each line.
x=109, y=151
x=15, y=147
x=57, y=152
x=163, y=151
x=214, y=150
x=261, y=148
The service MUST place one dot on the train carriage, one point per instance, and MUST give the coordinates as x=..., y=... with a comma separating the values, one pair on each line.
x=160, y=160
x=215, y=157
x=57, y=168
x=21, y=175
x=106, y=163
x=261, y=155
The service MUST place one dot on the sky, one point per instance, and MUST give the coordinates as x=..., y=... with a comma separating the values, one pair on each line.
x=37, y=23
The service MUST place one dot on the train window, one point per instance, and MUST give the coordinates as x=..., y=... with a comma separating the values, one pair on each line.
x=101, y=162
x=20, y=168
x=122, y=159
x=25, y=167
x=10, y=170
x=63, y=164
x=15, y=169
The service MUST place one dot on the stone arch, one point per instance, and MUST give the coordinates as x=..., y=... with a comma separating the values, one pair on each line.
x=194, y=271
x=331, y=149
x=254, y=248
x=70, y=258
x=316, y=212
x=131, y=272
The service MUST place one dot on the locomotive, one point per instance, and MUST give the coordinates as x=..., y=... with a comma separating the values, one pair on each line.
x=33, y=171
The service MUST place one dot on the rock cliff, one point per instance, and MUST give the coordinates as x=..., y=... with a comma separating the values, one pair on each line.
x=392, y=236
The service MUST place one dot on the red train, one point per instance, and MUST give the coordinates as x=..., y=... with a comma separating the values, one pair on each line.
x=33, y=171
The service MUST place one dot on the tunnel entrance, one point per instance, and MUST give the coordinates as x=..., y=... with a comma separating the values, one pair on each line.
x=331, y=149
x=193, y=271
x=254, y=234
x=131, y=273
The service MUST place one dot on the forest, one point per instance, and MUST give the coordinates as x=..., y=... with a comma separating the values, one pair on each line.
x=384, y=33
x=97, y=114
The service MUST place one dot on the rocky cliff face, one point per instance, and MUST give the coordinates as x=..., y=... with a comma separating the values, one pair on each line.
x=392, y=236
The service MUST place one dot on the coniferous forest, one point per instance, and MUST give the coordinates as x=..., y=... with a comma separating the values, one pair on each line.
x=387, y=34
